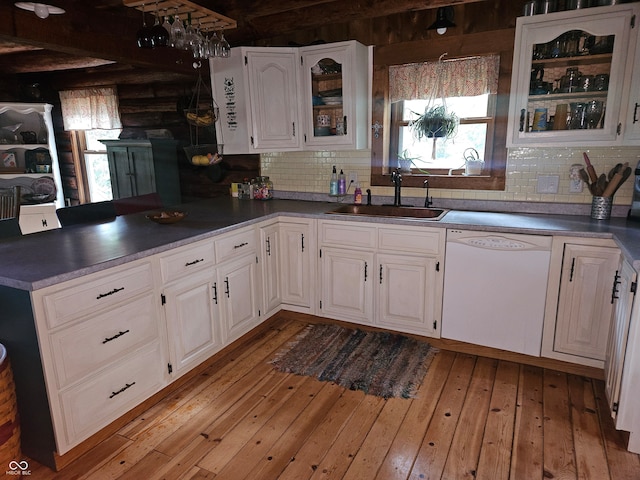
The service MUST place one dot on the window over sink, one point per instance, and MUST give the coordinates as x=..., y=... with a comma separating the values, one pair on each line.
x=479, y=100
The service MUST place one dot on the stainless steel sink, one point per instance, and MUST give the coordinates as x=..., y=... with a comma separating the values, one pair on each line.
x=433, y=214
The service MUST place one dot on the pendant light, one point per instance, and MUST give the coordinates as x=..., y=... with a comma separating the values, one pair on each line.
x=444, y=20
x=42, y=10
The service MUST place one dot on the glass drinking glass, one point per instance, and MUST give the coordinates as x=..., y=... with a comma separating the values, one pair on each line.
x=177, y=31
x=225, y=48
x=593, y=113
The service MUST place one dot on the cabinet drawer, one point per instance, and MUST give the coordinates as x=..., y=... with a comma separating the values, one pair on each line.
x=425, y=240
x=82, y=348
x=96, y=292
x=187, y=260
x=347, y=234
x=235, y=244
x=93, y=404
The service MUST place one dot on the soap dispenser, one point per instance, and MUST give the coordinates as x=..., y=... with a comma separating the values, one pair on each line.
x=342, y=183
x=333, y=184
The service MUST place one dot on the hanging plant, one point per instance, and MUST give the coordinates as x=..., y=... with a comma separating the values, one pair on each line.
x=435, y=122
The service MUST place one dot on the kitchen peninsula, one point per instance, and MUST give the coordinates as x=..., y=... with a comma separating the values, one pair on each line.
x=59, y=287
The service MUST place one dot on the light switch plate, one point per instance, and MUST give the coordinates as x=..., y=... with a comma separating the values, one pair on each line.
x=548, y=183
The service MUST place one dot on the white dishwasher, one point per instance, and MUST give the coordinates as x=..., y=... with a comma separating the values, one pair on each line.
x=495, y=287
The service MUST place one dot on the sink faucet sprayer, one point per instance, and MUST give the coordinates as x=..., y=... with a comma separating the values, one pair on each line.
x=396, y=178
x=427, y=201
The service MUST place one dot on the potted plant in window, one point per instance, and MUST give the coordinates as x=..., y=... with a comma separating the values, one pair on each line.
x=435, y=122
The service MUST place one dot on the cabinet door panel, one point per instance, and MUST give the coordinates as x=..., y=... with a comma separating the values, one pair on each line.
x=238, y=290
x=122, y=182
x=142, y=170
x=584, y=308
x=273, y=85
x=191, y=321
x=297, y=251
x=270, y=241
x=407, y=293
x=347, y=284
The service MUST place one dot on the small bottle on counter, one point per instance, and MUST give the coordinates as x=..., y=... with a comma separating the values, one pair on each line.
x=357, y=195
x=333, y=184
x=342, y=183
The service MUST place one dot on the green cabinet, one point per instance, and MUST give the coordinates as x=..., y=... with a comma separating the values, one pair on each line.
x=139, y=167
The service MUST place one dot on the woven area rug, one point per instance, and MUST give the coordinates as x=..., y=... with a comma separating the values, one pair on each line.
x=378, y=363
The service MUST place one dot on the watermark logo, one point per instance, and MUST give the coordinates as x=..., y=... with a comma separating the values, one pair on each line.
x=18, y=468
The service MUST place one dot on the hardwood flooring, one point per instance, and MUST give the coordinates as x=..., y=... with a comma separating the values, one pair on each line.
x=473, y=418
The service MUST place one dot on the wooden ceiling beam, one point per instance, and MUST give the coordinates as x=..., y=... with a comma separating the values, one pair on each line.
x=261, y=21
x=84, y=32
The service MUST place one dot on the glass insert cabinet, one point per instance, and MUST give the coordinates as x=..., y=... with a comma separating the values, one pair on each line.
x=570, y=77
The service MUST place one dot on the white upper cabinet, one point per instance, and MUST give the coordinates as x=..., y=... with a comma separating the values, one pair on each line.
x=256, y=91
x=335, y=96
x=283, y=99
x=571, y=76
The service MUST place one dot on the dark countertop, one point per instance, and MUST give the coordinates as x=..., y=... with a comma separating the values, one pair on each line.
x=38, y=260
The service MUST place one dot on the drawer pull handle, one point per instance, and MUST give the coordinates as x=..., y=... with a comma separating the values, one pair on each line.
x=215, y=292
x=241, y=245
x=302, y=241
x=188, y=264
x=119, y=334
x=115, y=290
x=226, y=288
x=126, y=387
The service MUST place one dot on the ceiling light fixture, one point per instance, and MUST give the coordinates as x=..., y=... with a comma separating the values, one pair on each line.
x=42, y=10
x=444, y=20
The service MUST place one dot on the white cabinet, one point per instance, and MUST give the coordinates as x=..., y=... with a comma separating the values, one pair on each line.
x=572, y=65
x=335, y=96
x=102, y=348
x=257, y=91
x=26, y=132
x=271, y=98
x=388, y=276
x=298, y=255
x=269, y=260
x=625, y=290
x=238, y=282
x=580, y=305
x=347, y=282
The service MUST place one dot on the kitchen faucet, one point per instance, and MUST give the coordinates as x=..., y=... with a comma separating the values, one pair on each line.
x=427, y=201
x=396, y=178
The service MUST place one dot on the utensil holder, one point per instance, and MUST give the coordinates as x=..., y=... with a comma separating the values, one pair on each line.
x=601, y=208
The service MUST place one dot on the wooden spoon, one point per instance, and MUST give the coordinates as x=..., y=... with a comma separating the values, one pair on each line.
x=601, y=184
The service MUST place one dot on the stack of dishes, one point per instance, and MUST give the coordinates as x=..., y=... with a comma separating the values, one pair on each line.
x=332, y=100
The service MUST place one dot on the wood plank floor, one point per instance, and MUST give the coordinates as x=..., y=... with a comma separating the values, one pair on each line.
x=473, y=418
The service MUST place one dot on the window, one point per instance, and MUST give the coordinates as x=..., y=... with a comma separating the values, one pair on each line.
x=442, y=155
x=466, y=87
x=97, y=164
x=405, y=56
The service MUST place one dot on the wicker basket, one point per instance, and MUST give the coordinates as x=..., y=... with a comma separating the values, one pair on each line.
x=9, y=422
x=212, y=148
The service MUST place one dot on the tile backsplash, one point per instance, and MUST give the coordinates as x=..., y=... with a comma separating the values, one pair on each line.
x=309, y=172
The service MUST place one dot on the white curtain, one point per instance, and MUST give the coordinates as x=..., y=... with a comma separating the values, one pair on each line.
x=90, y=108
x=460, y=77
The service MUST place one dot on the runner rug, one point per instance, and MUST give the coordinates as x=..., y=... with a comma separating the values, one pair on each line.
x=378, y=363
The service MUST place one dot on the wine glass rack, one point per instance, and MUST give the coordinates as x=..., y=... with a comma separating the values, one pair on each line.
x=205, y=18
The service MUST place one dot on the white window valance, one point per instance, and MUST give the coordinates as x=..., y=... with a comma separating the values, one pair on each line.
x=90, y=109
x=460, y=77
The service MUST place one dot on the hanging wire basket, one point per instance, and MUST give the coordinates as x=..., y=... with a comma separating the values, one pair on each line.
x=199, y=117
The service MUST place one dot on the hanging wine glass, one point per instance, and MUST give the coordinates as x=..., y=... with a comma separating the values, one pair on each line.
x=214, y=45
x=177, y=31
x=159, y=36
x=144, y=34
x=225, y=48
x=166, y=24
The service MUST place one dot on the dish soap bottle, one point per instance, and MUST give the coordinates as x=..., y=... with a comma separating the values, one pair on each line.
x=333, y=184
x=342, y=183
x=357, y=195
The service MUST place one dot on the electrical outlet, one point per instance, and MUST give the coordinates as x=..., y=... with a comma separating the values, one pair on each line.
x=548, y=183
x=575, y=185
x=353, y=177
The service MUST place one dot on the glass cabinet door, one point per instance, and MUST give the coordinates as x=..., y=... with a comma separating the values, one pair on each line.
x=568, y=78
x=328, y=117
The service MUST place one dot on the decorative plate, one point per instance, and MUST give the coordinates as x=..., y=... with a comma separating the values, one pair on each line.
x=44, y=186
x=165, y=217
